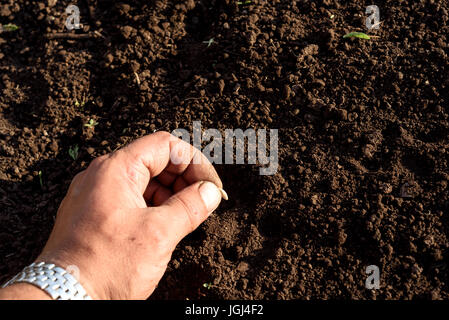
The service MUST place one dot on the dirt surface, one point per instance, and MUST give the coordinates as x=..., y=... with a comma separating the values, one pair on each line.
x=363, y=135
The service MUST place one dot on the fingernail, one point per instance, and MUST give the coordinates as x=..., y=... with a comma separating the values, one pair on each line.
x=210, y=194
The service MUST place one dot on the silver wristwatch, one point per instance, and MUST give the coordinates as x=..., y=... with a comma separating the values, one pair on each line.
x=55, y=281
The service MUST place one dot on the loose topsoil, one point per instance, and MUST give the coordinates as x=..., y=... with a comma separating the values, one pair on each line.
x=363, y=135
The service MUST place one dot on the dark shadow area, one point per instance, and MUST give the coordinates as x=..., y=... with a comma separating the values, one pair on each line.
x=23, y=236
x=24, y=89
x=185, y=281
x=24, y=97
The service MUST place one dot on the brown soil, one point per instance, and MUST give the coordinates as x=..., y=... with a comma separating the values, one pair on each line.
x=357, y=121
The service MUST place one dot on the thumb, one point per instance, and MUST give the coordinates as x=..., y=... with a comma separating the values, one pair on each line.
x=190, y=207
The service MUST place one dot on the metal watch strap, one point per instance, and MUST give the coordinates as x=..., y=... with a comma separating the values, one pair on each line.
x=55, y=281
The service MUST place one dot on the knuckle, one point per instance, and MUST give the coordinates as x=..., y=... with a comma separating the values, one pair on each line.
x=166, y=137
x=75, y=183
x=163, y=134
x=99, y=160
x=135, y=169
x=78, y=176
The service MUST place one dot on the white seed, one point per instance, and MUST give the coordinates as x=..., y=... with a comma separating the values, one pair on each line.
x=224, y=195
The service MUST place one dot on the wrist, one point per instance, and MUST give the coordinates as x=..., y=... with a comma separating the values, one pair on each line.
x=79, y=270
x=23, y=291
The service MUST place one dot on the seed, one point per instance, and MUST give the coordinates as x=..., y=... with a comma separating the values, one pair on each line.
x=224, y=195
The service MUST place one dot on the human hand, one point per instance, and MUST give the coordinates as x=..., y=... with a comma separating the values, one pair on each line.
x=123, y=216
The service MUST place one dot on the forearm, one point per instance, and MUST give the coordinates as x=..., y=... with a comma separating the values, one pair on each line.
x=23, y=291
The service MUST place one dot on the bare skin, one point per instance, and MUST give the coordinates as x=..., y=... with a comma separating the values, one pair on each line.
x=119, y=224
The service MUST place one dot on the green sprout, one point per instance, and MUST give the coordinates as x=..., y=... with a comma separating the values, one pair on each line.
x=359, y=35
x=209, y=42
x=92, y=123
x=8, y=27
x=208, y=286
x=80, y=104
x=41, y=182
x=240, y=3
x=73, y=152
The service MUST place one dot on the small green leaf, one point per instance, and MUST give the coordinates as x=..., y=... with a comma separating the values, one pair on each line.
x=41, y=182
x=359, y=35
x=209, y=42
x=92, y=123
x=207, y=285
x=73, y=152
x=9, y=27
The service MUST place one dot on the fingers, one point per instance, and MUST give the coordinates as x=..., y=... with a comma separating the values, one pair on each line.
x=149, y=156
x=156, y=194
x=187, y=209
x=198, y=167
